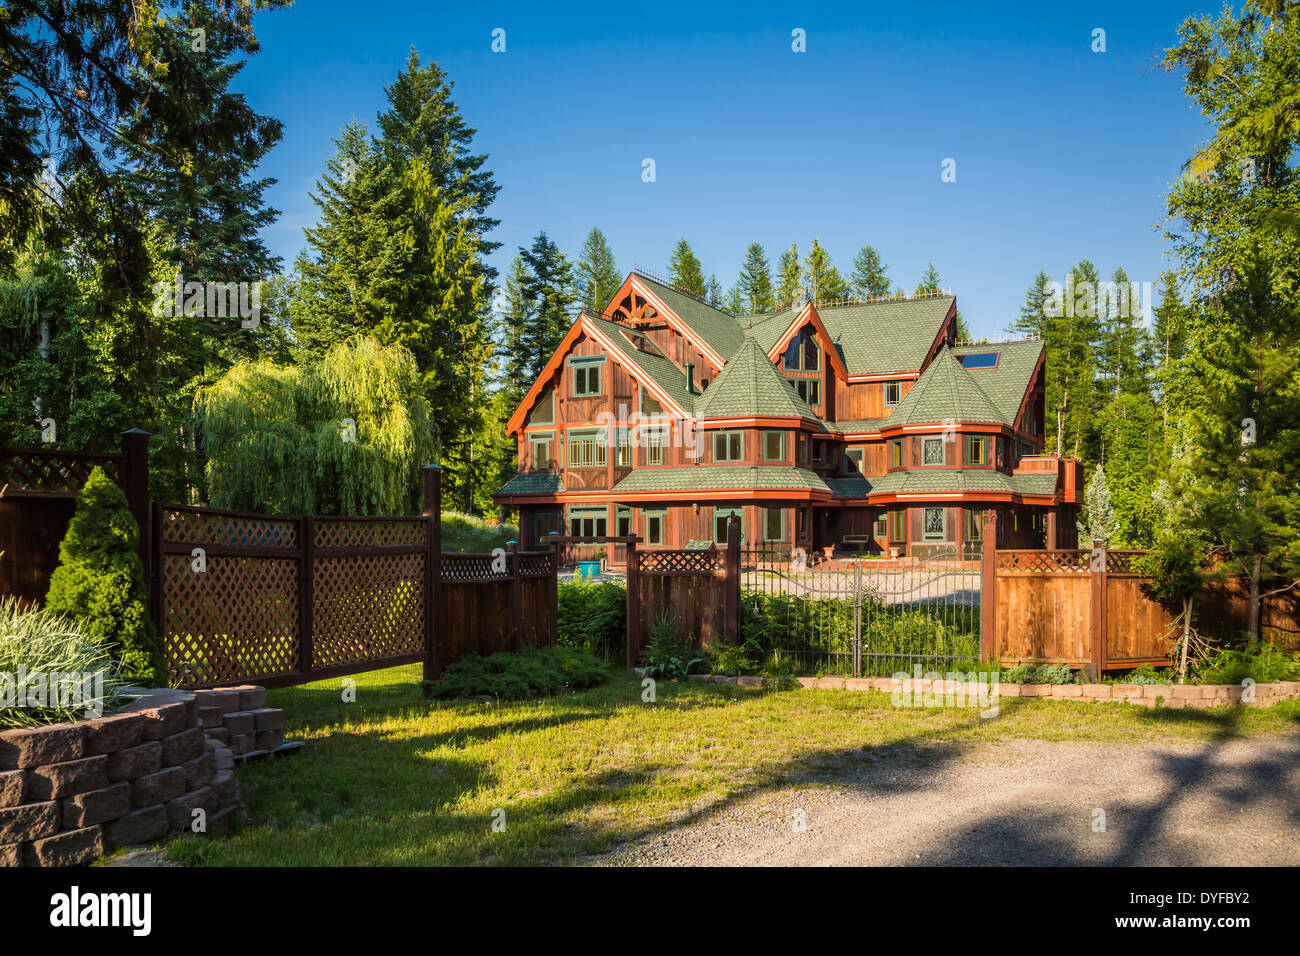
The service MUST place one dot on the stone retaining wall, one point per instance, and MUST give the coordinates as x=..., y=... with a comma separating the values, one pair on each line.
x=1143, y=695
x=69, y=792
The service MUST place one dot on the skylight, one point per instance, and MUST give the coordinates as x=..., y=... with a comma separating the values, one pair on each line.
x=978, y=360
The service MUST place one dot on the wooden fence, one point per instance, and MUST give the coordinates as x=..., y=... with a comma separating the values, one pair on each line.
x=1083, y=608
x=273, y=599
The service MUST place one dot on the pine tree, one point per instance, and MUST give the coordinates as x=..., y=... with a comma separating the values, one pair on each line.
x=1131, y=436
x=1071, y=363
x=930, y=281
x=713, y=291
x=1122, y=350
x=755, y=283
x=734, y=302
x=822, y=280
x=788, y=276
x=870, y=278
x=684, y=270
x=1033, y=319
x=597, y=273
x=100, y=581
x=547, y=287
x=1096, y=520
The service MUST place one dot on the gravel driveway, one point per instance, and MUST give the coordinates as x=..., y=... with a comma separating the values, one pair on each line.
x=1229, y=802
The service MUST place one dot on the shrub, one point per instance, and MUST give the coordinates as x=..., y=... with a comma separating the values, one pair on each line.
x=593, y=617
x=532, y=672
x=735, y=659
x=99, y=581
x=41, y=641
x=667, y=655
x=1259, y=661
x=1146, y=674
x=462, y=532
x=1038, y=674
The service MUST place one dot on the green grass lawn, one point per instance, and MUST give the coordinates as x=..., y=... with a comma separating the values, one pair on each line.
x=394, y=779
x=462, y=532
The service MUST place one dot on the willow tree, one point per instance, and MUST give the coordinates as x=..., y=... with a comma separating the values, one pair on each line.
x=346, y=434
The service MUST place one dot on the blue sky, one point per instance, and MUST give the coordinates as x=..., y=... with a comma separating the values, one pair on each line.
x=1060, y=152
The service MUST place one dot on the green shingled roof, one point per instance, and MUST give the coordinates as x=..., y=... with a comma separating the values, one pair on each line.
x=722, y=333
x=533, y=483
x=667, y=375
x=749, y=384
x=891, y=336
x=852, y=486
x=1007, y=382
x=945, y=391
x=856, y=425
x=958, y=479
x=717, y=477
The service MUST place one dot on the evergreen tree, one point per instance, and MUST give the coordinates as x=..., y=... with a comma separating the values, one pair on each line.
x=684, y=270
x=597, y=274
x=1071, y=363
x=1122, y=351
x=930, y=281
x=821, y=279
x=1033, y=320
x=547, y=288
x=788, y=276
x=100, y=581
x=1131, y=437
x=734, y=302
x=713, y=291
x=870, y=278
x=755, y=283
x=1097, y=517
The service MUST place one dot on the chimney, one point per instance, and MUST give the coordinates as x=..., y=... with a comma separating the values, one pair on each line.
x=690, y=378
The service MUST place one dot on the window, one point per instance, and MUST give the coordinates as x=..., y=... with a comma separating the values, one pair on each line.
x=853, y=461
x=540, y=445
x=932, y=451
x=898, y=524
x=978, y=360
x=721, y=518
x=624, y=454
x=773, y=446
x=623, y=522
x=802, y=354
x=543, y=412
x=654, y=446
x=893, y=393
x=587, y=449
x=802, y=523
x=801, y=448
x=728, y=446
x=974, y=524
x=977, y=450
x=773, y=524
x=586, y=380
x=932, y=524
x=896, y=453
x=654, y=527
x=587, y=522
x=881, y=528
x=649, y=406
x=541, y=526
x=808, y=389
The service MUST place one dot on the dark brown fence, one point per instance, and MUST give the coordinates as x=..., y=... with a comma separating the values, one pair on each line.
x=689, y=588
x=40, y=487
x=486, y=607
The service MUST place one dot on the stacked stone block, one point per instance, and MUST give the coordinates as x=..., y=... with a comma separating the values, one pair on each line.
x=239, y=719
x=69, y=792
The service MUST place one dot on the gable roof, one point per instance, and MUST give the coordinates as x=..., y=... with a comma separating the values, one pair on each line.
x=889, y=336
x=945, y=391
x=1006, y=383
x=719, y=330
x=750, y=385
x=653, y=363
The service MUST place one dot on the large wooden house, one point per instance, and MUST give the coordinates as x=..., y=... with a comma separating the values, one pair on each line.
x=858, y=426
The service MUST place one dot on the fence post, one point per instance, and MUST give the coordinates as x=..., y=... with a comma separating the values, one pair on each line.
x=517, y=594
x=155, y=576
x=1097, y=580
x=989, y=588
x=731, y=582
x=135, y=484
x=306, y=591
x=433, y=573
x=633, y=604
x=857, y=618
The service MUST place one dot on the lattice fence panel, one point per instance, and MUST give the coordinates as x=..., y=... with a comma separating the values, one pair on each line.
x=205, y=527
x=680, y=562
x=1048, y=562
x=52, y=471
x=381, y=532
x=1121, y=562
x=367, y=607
x=536, y=565
x=471, y=567
x=235, y=621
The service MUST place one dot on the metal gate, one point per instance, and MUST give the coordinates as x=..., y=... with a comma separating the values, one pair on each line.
x=861, y=616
